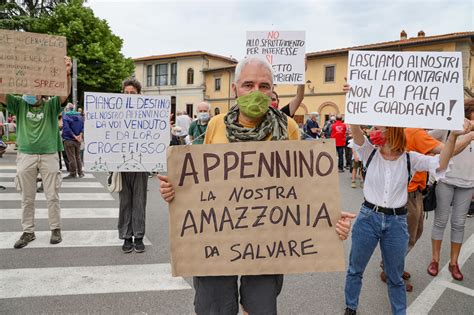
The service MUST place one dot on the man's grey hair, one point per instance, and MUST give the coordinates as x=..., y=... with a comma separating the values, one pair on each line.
x=252, y=60
x=204, y=103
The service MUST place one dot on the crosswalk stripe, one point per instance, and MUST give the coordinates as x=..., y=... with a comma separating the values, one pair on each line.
x=64, y=184
x=66, y=213
x=62, y=196
x=12, y=175
x=8, y=167
x=33, y=282
x=93, y=238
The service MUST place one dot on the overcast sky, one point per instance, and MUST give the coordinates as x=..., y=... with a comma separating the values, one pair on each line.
x=218, y=26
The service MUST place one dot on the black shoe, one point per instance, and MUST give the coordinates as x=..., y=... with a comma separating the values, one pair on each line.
x=24, y=240
x=70, y=177
x=341, y=171
x=139, y=246
x=349, y=312
x=127, y=246
x=56, y=236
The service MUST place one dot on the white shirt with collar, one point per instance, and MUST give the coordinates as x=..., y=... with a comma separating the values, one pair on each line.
x=386, y=182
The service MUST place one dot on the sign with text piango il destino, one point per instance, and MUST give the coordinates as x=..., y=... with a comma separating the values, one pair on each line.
x=126, y=132
x=405, y=89
x=254, y=208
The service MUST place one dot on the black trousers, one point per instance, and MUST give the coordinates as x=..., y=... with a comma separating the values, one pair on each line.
x=132, y=205
x=340, y=157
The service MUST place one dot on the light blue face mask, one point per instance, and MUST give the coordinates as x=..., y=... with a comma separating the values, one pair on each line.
x=203, y=117
x=30, y=99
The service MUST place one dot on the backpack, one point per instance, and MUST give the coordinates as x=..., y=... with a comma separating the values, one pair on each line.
x=327, y=130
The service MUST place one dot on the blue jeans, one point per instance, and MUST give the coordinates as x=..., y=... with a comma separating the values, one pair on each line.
x=369, y=229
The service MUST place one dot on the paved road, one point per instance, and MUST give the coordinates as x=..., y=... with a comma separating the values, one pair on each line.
x=88, y=273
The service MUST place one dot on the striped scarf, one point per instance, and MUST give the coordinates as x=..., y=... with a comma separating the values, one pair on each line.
x=275, y=123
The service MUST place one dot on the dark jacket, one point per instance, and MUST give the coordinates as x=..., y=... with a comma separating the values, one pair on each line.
x=73, y=125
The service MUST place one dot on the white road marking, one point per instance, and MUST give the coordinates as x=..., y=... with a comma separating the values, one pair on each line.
x=31, y=282
x=457, y=287
x=64, y=184
x=8, y=167
x=66, y=213
x=62, y=196
x=12, y=175
x=431, y=294
x=95, y=238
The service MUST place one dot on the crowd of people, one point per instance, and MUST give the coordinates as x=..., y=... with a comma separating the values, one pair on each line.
x=393, y=166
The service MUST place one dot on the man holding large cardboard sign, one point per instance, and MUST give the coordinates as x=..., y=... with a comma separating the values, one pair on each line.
x=250, y=215
x=36, y=65
x=405, y=89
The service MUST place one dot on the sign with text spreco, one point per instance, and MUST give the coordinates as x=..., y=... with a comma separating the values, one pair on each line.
x=283, y=50
x=32, y=63
x=405, y=89
x=254, y=208
x=126, y=132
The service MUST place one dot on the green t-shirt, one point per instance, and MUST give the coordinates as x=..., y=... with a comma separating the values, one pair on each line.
x=196, y=130
x=37, y=130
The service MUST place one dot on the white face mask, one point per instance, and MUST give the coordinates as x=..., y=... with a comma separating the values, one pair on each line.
x=203, y=117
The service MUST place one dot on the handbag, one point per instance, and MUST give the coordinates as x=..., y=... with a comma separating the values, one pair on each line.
x=114, y=182
x=429, y=197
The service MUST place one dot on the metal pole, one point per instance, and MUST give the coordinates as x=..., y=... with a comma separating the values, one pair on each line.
x=74, y=82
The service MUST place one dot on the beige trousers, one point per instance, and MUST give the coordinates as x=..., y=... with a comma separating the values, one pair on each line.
x=28, y=166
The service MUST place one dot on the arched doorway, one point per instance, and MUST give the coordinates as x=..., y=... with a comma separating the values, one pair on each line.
x=326, y=109
x=300, y=113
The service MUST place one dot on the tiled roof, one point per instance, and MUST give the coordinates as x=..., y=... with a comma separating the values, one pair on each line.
x=397, y=43
x=185, y=54
x=230, y=67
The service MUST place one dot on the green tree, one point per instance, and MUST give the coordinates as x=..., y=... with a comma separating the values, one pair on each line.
x=101, y=66
x=20, y=14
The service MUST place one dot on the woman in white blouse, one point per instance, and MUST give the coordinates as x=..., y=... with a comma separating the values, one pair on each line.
x=382, y=218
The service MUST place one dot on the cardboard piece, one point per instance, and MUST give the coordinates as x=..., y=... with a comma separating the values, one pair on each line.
x=405, y=89
x=126, y=132
x=32, y=63
x=283, y=50
x=254, y=208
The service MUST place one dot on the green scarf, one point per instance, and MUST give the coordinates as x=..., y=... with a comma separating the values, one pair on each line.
x=274, y=123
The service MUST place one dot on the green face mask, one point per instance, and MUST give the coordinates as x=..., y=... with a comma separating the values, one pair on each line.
x=254, y=104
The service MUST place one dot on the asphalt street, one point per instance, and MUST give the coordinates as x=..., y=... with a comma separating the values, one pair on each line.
x=88, y=273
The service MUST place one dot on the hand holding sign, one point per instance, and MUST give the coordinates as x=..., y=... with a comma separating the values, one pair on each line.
x=166, y=189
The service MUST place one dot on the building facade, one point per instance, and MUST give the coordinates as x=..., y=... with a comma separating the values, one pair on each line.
x=179, y=75
x=327, y=70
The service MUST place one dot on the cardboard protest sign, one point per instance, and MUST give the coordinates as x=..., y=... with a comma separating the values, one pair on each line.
x=254, y=208
x=32, y=63
x=126, y=132
x=405, y=89
x=284, y=50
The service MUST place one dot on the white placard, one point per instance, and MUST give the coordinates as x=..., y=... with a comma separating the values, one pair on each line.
x=405, y=89
x=284, y=50
x=126, y=132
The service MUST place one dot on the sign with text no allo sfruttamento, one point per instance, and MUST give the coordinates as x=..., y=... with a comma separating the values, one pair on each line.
x=283, y=50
